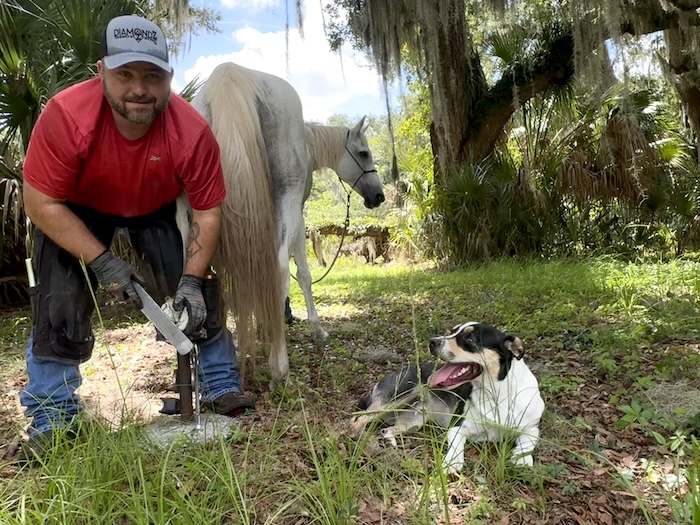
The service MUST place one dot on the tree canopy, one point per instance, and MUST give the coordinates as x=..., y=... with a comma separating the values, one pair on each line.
x=538, y=44
x=541, y=137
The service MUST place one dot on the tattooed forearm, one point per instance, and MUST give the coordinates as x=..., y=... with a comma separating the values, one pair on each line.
x=193, y=244
x=202, y=240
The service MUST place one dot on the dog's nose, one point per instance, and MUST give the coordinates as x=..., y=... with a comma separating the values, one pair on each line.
x=434, y=345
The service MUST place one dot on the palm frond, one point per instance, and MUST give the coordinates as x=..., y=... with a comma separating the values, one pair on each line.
x=507, y=45
x=190, y=90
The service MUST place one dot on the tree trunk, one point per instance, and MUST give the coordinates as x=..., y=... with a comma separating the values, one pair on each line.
x=484, y=113
x=477, y=123
x=458, y=83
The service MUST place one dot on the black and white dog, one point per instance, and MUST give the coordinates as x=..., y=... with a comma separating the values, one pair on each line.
x=484, y=373
x=399, y=402
x=505, y=397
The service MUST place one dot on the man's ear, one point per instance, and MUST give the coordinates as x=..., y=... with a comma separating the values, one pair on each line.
x=100, y=68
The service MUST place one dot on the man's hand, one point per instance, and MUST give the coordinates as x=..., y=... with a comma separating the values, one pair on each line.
x=189, y=295
x=116, y=275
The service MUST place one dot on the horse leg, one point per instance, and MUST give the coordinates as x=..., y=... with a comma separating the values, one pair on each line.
x=282, y=122
x=279, y=359
x=279, y=366
x=298, y=249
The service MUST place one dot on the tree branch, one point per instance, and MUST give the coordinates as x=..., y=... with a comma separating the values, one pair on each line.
x=648, y=16
x=554, y=67
x=685, y=5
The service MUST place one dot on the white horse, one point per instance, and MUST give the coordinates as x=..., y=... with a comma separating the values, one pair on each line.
x=345, y=151
x=258, y=121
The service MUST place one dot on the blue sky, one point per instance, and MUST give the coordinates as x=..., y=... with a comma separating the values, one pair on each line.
x=253, y=35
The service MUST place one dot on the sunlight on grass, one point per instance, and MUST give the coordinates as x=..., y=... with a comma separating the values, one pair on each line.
x=612, y=343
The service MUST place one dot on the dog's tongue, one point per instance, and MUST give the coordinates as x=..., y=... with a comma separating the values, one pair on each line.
x=452, y=375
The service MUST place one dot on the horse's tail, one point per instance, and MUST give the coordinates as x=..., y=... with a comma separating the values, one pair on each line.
x=246, y=259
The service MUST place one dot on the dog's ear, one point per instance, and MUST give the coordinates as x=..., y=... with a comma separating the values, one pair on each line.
x=514, y=346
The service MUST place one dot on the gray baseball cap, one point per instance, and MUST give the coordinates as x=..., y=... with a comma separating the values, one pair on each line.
x=131, y=38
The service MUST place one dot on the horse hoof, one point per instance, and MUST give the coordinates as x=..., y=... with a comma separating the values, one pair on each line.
x=321, y=335
x=278, y=384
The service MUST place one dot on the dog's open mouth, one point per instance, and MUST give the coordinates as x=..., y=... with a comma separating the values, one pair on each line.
x=450, y=376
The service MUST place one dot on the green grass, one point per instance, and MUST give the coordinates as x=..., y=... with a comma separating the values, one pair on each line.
x=599, y=334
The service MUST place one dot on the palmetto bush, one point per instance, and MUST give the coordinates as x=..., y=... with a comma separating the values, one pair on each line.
x=12, y=235
x=491, y=210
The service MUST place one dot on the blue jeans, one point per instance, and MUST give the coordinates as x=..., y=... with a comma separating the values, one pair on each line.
x=50, y=399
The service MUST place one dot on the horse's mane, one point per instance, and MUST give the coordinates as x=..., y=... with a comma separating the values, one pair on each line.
x=326, y=144
x=251, y=277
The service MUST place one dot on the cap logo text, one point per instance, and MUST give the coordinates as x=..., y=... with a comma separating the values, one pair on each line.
x=137, y=34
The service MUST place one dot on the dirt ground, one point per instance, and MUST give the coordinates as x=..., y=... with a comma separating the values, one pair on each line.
x=575, y=491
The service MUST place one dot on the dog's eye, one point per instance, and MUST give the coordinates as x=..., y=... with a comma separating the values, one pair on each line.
x=464, y=337
x=467, y=333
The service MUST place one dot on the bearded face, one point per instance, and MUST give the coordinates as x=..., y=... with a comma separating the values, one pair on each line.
x=137, y=92
x=134, y=108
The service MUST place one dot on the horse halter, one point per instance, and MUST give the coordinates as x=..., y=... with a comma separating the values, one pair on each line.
x=346, y=224
x=364, y=171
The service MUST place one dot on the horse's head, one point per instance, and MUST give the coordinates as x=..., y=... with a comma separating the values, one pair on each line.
x=357, y=167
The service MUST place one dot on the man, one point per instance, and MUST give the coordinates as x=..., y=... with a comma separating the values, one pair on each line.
x=108, y=153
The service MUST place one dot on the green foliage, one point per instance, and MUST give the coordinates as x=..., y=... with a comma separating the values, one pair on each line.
x=189, y=91
x=291, y=462
x=686, y=506
x=560, y=187
x=554, y=385
x=635, y=414
x=685, y=503
x=333, y=495
x=602, y=164
x=412, y=218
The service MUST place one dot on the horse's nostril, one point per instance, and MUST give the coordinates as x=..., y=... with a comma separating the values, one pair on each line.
x=380, y=197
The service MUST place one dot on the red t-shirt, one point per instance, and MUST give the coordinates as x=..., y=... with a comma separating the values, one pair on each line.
x=77, y=154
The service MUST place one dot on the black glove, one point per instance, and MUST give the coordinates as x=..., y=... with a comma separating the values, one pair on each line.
x=189, y=294
x=116, y=275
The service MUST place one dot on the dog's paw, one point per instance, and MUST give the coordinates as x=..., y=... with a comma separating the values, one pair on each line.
x=452, y=472
x=453, y=476
x=386, y=437
x=524, y=460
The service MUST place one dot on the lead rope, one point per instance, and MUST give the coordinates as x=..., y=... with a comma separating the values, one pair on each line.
x=347, y=210
x=346, y=225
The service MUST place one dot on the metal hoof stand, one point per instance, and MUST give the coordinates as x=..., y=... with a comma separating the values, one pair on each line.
x=182, y=419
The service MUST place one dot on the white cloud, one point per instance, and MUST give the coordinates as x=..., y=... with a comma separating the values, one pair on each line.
x=327, y=82
x=252, y=5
